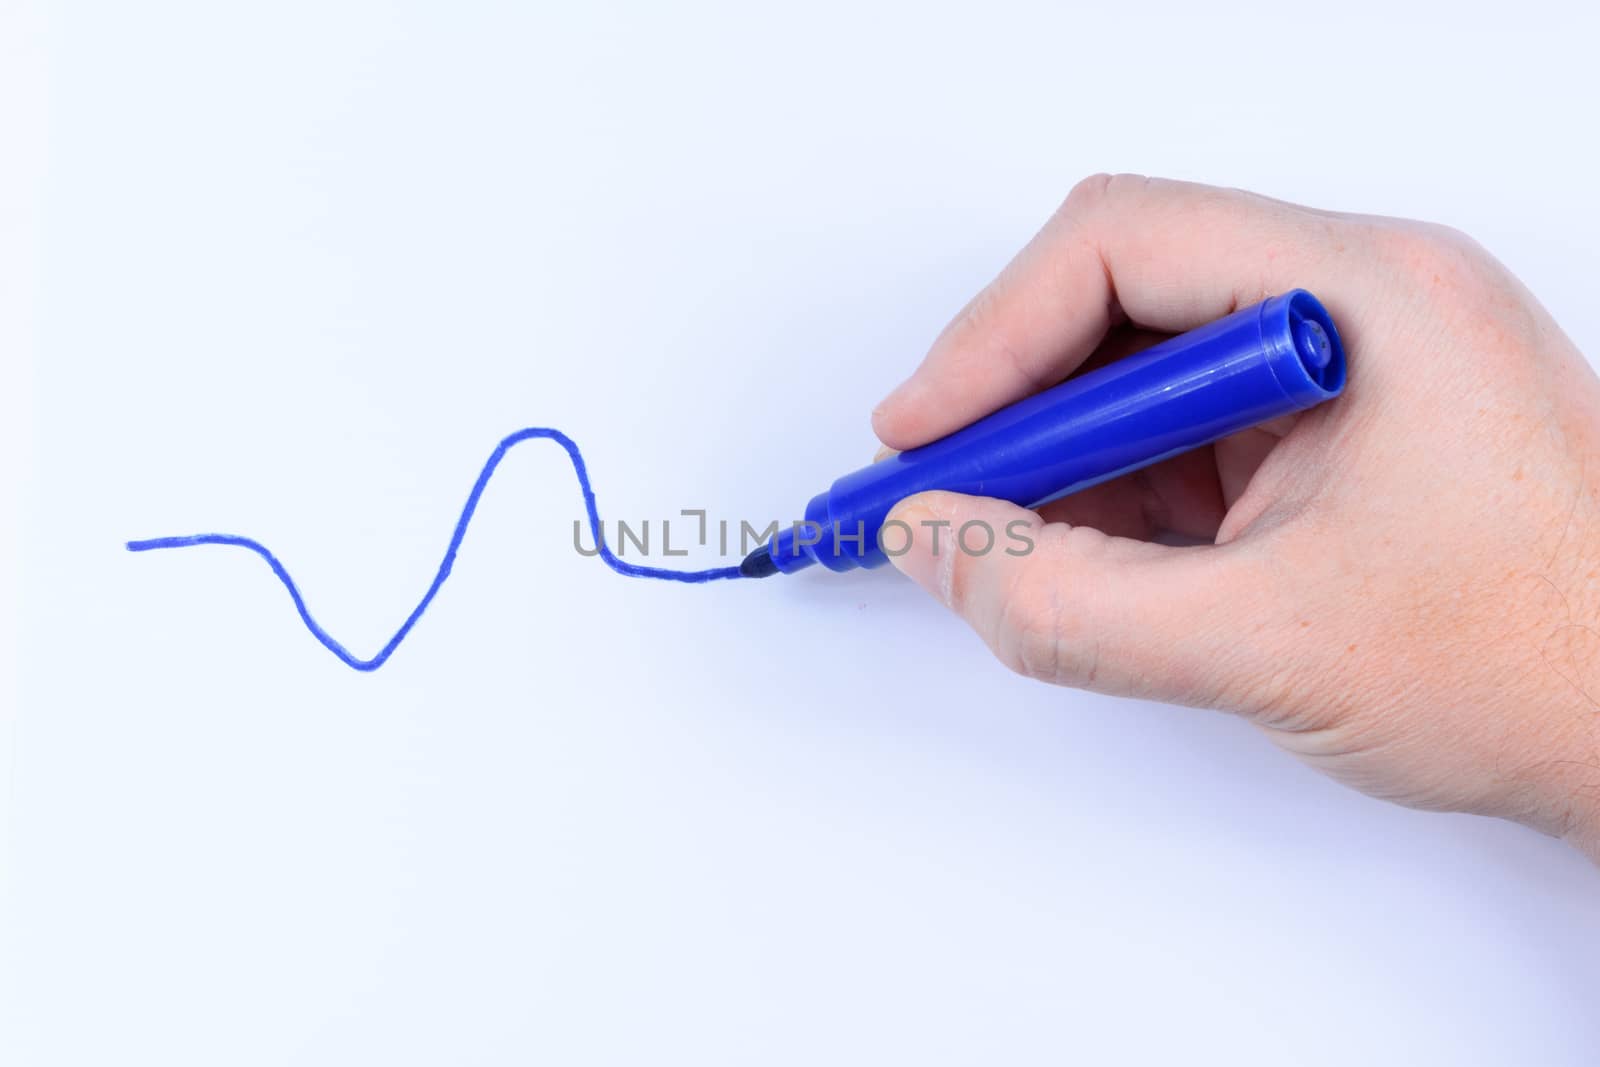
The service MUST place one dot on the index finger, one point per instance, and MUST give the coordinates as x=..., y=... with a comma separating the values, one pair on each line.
x=1167, y=255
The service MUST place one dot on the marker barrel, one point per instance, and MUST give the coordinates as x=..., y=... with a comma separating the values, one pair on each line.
x=1280, y=356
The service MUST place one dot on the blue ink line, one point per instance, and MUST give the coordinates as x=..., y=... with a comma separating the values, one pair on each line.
x=631, y=570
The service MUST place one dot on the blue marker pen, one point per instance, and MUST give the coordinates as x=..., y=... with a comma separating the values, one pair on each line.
x=1280, y=356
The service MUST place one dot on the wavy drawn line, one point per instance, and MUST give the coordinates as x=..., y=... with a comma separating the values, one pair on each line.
x=631, y=570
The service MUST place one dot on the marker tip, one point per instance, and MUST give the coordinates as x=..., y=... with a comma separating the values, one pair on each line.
x=758, y=564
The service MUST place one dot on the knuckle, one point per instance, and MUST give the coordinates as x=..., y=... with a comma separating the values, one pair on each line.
x=1088, y=191
x=1061, y=540
x=1416, y=244
x=958, y=573
x=1036, y=635
x=1437, y=254
x=980, y=317
x=1273, y=698
x=1030, y=641
x=1449, y=239
x=1476, y=298
x=1098, y=189
x=985, y=330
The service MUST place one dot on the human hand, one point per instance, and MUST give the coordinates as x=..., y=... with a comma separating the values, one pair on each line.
x=1401, y=587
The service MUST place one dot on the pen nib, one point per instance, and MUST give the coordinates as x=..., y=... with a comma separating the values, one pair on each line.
x=758, y=564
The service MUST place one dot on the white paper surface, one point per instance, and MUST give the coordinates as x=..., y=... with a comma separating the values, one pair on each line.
x=297, y=267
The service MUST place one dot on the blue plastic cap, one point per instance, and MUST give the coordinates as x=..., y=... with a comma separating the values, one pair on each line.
x=1310, y=366
x=1315, y=348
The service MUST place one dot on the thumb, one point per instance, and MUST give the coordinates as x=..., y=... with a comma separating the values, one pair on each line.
x=1073, y=606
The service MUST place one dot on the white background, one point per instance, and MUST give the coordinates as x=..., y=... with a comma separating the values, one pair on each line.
x=291, y=269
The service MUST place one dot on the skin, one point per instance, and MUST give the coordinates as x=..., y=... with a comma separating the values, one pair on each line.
x=1401, y=587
